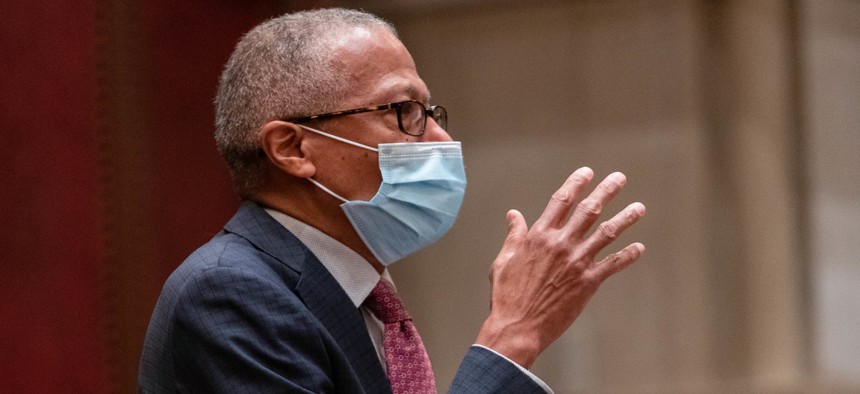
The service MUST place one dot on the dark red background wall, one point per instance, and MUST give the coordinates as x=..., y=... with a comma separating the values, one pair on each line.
x=110, y=175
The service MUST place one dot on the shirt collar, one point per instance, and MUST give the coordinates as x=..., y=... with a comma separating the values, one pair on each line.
x=352, y=272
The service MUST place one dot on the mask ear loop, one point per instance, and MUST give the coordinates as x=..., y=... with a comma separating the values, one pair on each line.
x=341, y=139
x=325, y=189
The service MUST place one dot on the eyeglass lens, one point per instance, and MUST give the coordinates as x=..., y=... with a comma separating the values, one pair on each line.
x=413, y=117
x=440, y=115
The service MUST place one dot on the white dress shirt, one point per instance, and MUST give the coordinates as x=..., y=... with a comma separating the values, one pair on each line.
x=357, y=277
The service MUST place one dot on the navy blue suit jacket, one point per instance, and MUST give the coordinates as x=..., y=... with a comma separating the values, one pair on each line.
x=253, y=310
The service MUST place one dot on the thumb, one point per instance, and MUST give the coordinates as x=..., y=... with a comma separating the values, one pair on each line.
x=517, y=227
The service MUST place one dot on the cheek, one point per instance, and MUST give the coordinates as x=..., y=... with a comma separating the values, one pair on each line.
x=362, y=161
x=359, y=174
x=371, y=177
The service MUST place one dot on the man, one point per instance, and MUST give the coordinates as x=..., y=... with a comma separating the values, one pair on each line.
x=345, y=168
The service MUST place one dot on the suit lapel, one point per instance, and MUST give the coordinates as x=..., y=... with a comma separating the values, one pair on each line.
x=320, y=292
x=330, y=304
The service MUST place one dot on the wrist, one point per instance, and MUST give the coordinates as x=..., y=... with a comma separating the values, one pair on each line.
x=517, y=344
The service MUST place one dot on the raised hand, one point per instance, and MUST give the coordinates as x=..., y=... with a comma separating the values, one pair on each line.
x=544, y=275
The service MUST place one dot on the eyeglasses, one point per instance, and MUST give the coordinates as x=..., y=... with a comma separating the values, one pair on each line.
x=411, y=115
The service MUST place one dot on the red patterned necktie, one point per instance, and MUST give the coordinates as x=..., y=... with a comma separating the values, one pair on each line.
x=409, y=369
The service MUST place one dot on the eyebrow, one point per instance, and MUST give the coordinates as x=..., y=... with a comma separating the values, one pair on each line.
x=411, y=90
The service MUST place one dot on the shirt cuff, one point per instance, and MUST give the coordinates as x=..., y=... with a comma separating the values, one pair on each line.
x=525, y=371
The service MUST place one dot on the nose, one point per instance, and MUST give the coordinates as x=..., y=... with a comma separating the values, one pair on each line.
x=434, y=133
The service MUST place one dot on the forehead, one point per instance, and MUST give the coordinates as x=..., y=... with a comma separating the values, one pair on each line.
x=378, y=68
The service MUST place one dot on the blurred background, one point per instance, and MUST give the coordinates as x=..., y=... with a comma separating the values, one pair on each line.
x=736, y=122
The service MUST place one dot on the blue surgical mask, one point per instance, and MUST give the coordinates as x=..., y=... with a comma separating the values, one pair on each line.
x=423, y=184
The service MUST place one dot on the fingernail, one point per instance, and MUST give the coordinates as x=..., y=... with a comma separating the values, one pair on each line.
x=618, y=178
x=585, y=172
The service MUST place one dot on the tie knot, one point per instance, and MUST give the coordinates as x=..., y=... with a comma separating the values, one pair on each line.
x=385, y=304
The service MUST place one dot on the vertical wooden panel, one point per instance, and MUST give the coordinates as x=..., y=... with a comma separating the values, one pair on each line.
x=126, y=185
x=50, y=237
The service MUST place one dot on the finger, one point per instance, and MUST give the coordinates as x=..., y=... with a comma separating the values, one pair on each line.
x=616, y=262
x=589, y=209
x=610, y=230
x=561, y=201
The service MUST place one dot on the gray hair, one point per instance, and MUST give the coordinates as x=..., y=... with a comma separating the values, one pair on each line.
x=282, y=68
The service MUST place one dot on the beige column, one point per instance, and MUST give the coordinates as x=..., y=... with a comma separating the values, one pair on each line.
x=749, y=79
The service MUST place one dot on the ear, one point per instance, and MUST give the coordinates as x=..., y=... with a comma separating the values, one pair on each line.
x=282, y=144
